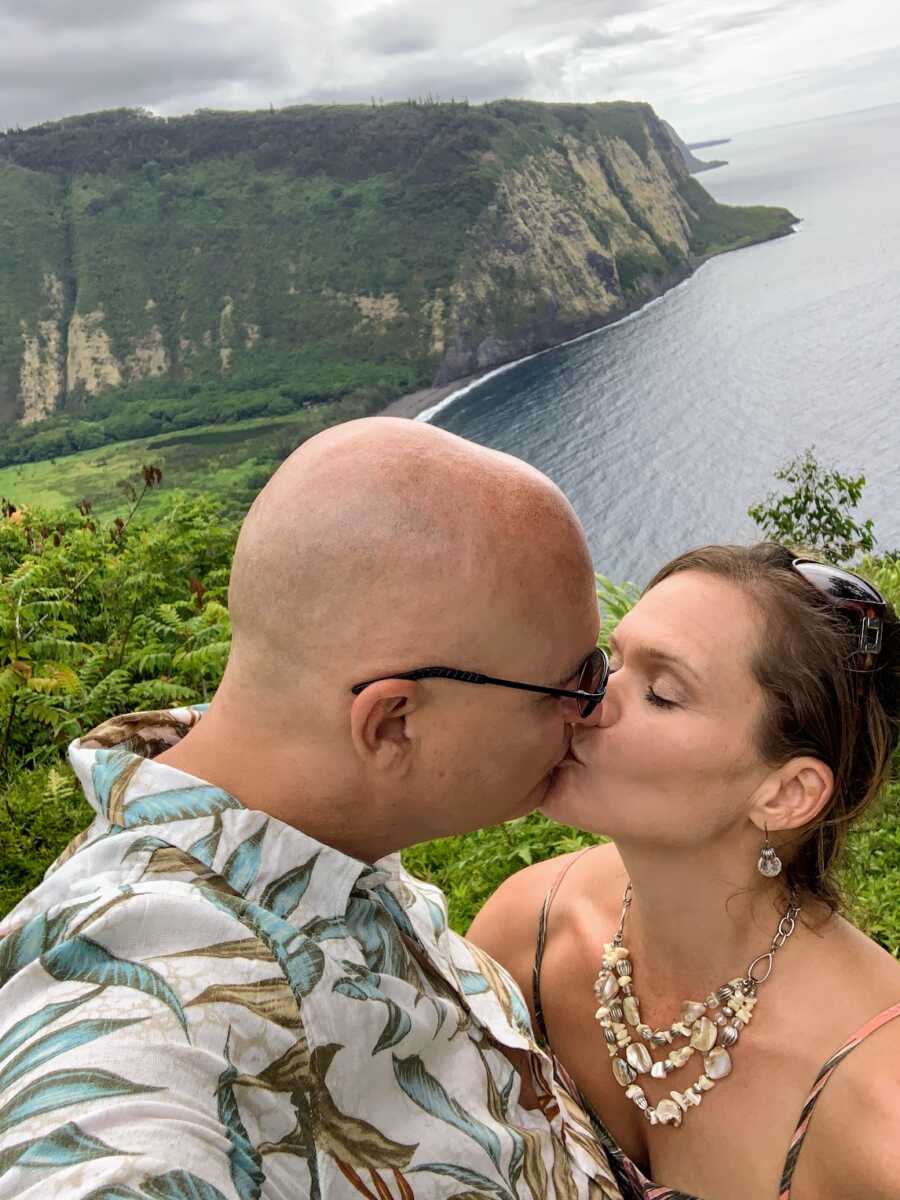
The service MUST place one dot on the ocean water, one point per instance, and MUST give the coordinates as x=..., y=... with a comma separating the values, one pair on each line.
x=663, y=429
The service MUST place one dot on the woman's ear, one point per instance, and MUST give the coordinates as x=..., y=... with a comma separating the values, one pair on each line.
x=378, y=723
x=794, y=795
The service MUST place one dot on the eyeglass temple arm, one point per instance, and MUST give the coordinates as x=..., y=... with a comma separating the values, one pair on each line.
x=475, y=677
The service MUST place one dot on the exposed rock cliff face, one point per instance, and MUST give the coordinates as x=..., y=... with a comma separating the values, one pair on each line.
x=694, y=164
x=447, y=238
x=42, y=377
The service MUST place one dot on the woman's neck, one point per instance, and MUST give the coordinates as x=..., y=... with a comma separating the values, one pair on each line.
x=695, y=920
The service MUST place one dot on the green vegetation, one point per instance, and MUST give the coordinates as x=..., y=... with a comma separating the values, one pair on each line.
x=818, y=513
x=468, y=869
x=231, y=461
x=162, y=274
x=722, y=227
x=105, y=616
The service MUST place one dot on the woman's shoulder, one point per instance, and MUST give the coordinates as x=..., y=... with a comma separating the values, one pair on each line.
x=853, y=1144
x=507, y=926
x=521, y=896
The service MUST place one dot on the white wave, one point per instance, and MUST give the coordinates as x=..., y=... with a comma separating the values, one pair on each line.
x=428, y=413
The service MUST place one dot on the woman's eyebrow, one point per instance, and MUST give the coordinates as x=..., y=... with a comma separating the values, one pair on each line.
x=657, y=655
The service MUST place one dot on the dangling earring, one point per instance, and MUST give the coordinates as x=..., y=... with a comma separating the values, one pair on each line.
x=769, y=863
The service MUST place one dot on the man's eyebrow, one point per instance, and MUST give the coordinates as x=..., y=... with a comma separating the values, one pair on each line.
x=657, y=655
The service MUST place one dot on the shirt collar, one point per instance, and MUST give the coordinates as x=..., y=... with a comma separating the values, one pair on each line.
x=264, y=860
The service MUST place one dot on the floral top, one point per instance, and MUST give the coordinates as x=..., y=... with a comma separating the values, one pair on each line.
x=202, y=1003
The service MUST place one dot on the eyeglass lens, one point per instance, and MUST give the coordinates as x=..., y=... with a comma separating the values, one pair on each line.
x=590, y=681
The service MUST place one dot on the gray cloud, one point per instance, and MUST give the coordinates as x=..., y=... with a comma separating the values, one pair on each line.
x=560, y=11
x=744, y=20
x=46, y=73
x=702, y=63
x=606, y=39
x=442, y=78
x=857, y=75
x=395, y=29
x=87, y=14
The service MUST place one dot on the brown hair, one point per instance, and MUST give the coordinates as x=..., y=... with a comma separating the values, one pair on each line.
x=815, y=702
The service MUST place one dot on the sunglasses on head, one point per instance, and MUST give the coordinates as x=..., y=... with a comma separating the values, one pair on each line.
x=852, y=594
x=592, y=680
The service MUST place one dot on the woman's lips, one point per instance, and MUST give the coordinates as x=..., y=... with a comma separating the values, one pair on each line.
x=581, y=745
x=571, y=759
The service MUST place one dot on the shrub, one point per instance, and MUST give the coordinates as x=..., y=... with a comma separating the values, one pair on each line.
x=816, y=516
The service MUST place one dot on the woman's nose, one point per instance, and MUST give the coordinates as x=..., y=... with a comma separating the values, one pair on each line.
x=575, y=718
x=607, y=711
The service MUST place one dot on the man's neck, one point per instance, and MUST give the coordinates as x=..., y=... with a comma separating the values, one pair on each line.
x=258, y=772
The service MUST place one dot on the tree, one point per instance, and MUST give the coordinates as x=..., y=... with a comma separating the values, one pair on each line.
x=816, y=515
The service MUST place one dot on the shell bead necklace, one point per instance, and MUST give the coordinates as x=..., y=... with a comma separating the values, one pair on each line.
x=710, y=1027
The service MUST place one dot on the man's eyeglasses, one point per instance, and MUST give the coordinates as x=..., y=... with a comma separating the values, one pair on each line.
x=849, y=592
x=592, y=680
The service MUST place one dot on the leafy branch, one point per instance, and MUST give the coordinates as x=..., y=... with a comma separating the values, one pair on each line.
x=816, y=514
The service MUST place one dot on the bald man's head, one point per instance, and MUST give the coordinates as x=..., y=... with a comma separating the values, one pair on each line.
x=379, y=547
x=388, y=543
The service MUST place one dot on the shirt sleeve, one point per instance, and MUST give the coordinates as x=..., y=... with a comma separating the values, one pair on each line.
x=154, y=1051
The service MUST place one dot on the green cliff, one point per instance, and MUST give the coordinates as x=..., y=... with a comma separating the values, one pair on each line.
x=323, y=251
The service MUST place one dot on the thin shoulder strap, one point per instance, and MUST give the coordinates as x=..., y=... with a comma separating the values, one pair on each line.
x=542, y=940
x=821, y=1079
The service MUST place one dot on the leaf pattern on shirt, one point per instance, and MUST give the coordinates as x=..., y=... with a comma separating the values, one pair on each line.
x=173, y=1185
x=360, y=984
x=301, y=959
x=120, y=781
x=181, y=804
x=227, y=964
x=111, y=774
x=27, y=1027
x=65, y=1146
x=27, y=943
x=59, y=1089
x=250, y=948
x=271, y=999
x=247, y=1174
x=385, y=953
x=347, y=1138
x=88, y=961
x=242, y=866
x=284, y=893
x=165, y=860
x=465, y=1175
x=501, y=985
x=205, y=847
x=51, y=1045
x=353, y=1144
x=431, y=1095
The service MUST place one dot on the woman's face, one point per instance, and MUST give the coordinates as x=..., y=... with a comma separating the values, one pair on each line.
x=671, y=758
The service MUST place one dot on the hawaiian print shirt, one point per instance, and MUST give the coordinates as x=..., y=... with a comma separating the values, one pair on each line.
x=202, y=1003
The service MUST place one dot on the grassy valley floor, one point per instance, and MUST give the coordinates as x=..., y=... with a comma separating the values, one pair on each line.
x=231, y=460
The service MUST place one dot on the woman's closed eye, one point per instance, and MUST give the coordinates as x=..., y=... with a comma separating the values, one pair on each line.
x=658, y=701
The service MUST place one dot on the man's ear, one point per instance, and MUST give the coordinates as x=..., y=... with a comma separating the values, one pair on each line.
x=378, y=726
x=794, y=795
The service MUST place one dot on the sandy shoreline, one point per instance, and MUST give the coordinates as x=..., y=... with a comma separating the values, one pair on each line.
x=416, y=402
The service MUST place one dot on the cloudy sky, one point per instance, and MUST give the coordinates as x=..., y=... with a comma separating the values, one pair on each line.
x=712, y=67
